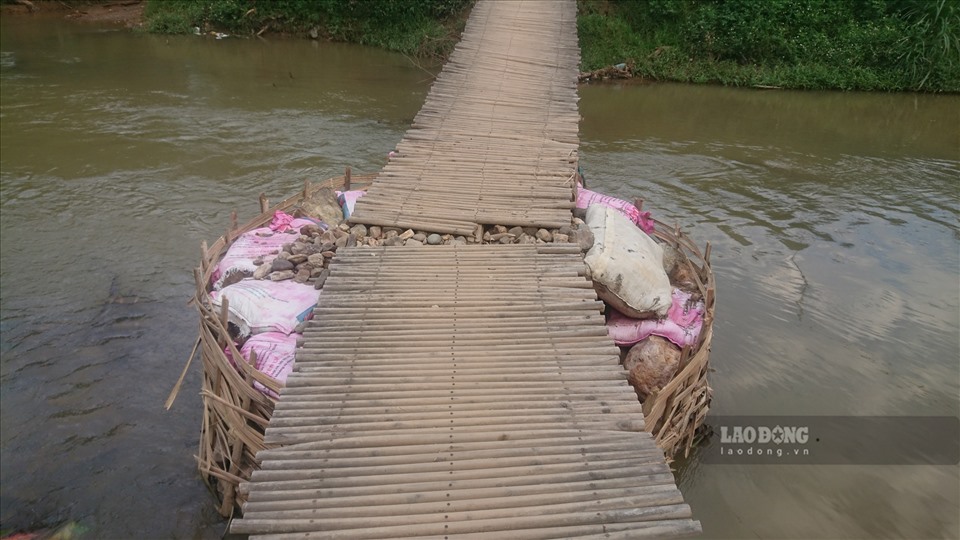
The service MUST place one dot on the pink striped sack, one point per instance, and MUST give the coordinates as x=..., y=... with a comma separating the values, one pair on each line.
x=258, y=306
x=275, y=355
x=262, y=242
x=682, y=324
x=585, y=198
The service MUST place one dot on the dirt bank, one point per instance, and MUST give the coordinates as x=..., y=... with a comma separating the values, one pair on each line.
x=126, y=13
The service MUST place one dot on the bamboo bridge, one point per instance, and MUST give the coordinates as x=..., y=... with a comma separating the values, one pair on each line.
x=468, y=390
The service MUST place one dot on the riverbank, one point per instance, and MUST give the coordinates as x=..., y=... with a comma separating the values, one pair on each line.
x=127, y=13
x=425, y=28
x=882, y=45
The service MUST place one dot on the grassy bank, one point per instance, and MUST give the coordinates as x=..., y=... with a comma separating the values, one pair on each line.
x=884, y=45
x=418, y=27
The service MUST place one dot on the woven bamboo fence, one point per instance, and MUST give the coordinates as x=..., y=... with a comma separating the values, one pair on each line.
x=236, y=414
x=675, y=413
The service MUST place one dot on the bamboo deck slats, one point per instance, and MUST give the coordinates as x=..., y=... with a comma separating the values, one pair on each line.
x=496, y=140
x=459, y=390
x=466, y=390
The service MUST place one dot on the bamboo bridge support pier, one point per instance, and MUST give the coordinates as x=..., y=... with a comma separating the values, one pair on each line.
x=468, y=391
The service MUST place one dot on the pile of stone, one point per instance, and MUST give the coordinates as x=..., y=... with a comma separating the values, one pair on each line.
x=373, y=236
x=306, y=259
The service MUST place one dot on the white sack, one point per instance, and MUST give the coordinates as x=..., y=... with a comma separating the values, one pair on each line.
x=626, y=265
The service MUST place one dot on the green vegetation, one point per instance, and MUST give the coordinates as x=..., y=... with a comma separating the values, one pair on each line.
x=884, y=45
x=809, y=44
x=420, y=27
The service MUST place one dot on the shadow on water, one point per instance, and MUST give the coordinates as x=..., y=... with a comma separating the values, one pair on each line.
x=834, y=219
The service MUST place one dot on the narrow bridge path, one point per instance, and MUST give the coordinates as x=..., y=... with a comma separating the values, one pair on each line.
x=468, y=391
x=496, y=140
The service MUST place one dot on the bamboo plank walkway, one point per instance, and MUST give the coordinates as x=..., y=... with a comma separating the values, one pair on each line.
x=496, y=140
x=460, y=390
x=468, y=391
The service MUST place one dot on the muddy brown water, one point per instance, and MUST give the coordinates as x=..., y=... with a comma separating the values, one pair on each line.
x=834, y=220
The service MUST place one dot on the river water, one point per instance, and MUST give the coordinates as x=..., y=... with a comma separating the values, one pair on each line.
x=833, y=216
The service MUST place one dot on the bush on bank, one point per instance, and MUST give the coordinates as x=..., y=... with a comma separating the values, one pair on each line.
x=420, y=27
x=810, y=44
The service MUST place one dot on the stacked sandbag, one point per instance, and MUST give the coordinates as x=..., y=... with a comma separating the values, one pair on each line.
x=251, y=249
x=274, y=353
x=655, y=307
x=681, y=326
x=587, y=198
x=258, y=306
x=268, y=278
x=626, y=265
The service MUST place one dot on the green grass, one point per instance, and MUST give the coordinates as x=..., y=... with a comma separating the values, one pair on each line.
x=887, y=45
x=418, y=27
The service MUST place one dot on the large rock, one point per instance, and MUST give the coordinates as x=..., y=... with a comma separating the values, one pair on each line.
x=299, y=248
x=322, y=204
x=679, y=269
x=582, y=237
x=651, y=364
x=279, y=265
x=281, y=275
x=311, y=230
x=328, y=237
x=263, y=270
x=302, y=275
x=526, y=239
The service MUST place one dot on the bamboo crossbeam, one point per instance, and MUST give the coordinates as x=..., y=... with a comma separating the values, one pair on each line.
x=481, y=508
x=663, y=508
x=577, y=492
x=636, y=476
